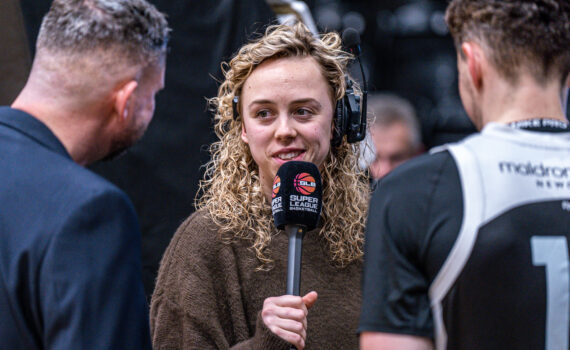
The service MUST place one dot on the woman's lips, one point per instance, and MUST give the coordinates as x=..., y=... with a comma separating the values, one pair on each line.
x=285, y=156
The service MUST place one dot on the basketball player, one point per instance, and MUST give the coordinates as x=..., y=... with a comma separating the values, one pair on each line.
x=467, y=248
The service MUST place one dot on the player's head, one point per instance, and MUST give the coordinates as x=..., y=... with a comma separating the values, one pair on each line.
x=395, y=132
x=517, y=35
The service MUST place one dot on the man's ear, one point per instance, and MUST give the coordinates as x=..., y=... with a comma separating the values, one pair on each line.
x=475, y=59
x=124, y=99
x=565, y=94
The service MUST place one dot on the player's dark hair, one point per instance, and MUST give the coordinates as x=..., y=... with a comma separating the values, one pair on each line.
x=530, y=33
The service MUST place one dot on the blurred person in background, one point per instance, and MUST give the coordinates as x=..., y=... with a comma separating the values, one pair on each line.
x=70, y=251
x=222, y=278
x=467, y=247
x=395, y=132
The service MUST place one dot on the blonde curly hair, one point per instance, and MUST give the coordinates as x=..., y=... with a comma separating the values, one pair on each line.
x=231, y=191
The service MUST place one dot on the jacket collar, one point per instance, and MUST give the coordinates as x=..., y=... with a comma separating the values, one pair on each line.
x=31, y=127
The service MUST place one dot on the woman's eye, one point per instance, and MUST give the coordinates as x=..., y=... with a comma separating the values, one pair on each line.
x=264, y=113
x=303, y=112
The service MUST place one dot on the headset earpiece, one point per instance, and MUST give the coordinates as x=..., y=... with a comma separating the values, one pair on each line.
x=349, y=119
x=350, y=115
x=339, y=123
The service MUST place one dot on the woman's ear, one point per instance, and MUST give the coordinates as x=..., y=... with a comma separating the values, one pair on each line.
x=243, y=133
x=124, y=99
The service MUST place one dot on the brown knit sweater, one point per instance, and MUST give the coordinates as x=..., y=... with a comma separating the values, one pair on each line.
x=209, y=296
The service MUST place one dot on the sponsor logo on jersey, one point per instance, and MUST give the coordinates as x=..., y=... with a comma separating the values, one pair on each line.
x=547, y=176
x=539, y=170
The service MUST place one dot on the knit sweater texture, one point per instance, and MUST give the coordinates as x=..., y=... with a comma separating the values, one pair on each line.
x=209, y=294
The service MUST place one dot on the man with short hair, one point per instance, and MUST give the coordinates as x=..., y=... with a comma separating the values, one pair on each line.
x=395, y=133
x=467, y=248
x=70, y=267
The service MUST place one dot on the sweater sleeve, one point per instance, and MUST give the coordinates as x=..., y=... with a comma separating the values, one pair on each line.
x=263, y=339
x=198, y=301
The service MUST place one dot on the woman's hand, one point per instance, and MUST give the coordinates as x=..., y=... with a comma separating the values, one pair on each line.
x=286, y=317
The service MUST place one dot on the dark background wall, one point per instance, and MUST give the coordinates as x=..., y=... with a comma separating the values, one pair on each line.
x=406, y=50
x=14, y=54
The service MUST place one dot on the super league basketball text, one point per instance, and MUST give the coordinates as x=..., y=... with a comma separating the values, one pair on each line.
x=277, y=204
x=304, y=203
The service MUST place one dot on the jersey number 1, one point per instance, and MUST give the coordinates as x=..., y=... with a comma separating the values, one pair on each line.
x=552, y=253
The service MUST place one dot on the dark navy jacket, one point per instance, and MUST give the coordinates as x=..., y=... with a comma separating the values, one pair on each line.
x=70, y=267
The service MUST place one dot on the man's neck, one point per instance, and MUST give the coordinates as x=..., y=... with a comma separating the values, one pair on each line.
x=527, y=100
x=77, y=132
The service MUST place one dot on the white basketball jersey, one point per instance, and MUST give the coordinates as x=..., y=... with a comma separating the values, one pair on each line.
x=509, y=267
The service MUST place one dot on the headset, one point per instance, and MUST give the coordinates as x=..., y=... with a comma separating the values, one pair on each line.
x=350, y=110
x=350, y=116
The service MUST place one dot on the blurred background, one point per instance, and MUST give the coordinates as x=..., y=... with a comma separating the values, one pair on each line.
x=406, y=50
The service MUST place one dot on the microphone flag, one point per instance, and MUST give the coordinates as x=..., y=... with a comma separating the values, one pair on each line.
x=297, y=195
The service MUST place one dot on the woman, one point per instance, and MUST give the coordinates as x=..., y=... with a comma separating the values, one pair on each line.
x=222, y=277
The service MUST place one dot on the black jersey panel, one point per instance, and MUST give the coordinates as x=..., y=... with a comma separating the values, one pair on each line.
x=501, y=294
x=411, y=204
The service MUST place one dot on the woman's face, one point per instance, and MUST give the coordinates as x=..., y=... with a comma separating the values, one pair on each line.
x=287, y=115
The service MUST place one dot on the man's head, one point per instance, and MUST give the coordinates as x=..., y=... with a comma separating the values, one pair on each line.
x=133, y=30
x=395, y=132
x=511, y=55
x=103, y=59
x=523, y=34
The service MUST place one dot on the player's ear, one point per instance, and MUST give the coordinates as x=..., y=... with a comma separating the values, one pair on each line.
x=124, y=99
x=475, y=60
x=566, y=94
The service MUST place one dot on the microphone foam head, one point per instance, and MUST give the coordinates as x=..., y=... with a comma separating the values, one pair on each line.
x=351, y=40
x=297, y=195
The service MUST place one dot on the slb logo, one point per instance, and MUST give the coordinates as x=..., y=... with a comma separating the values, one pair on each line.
x=276, y=186
x=305, y=183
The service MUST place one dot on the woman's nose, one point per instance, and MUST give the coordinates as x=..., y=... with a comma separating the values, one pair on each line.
x=285, y=127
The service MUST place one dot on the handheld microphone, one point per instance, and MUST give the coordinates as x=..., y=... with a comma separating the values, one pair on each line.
x=296, y=207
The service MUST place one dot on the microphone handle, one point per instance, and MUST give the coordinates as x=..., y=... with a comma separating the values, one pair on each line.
x=296, y=233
